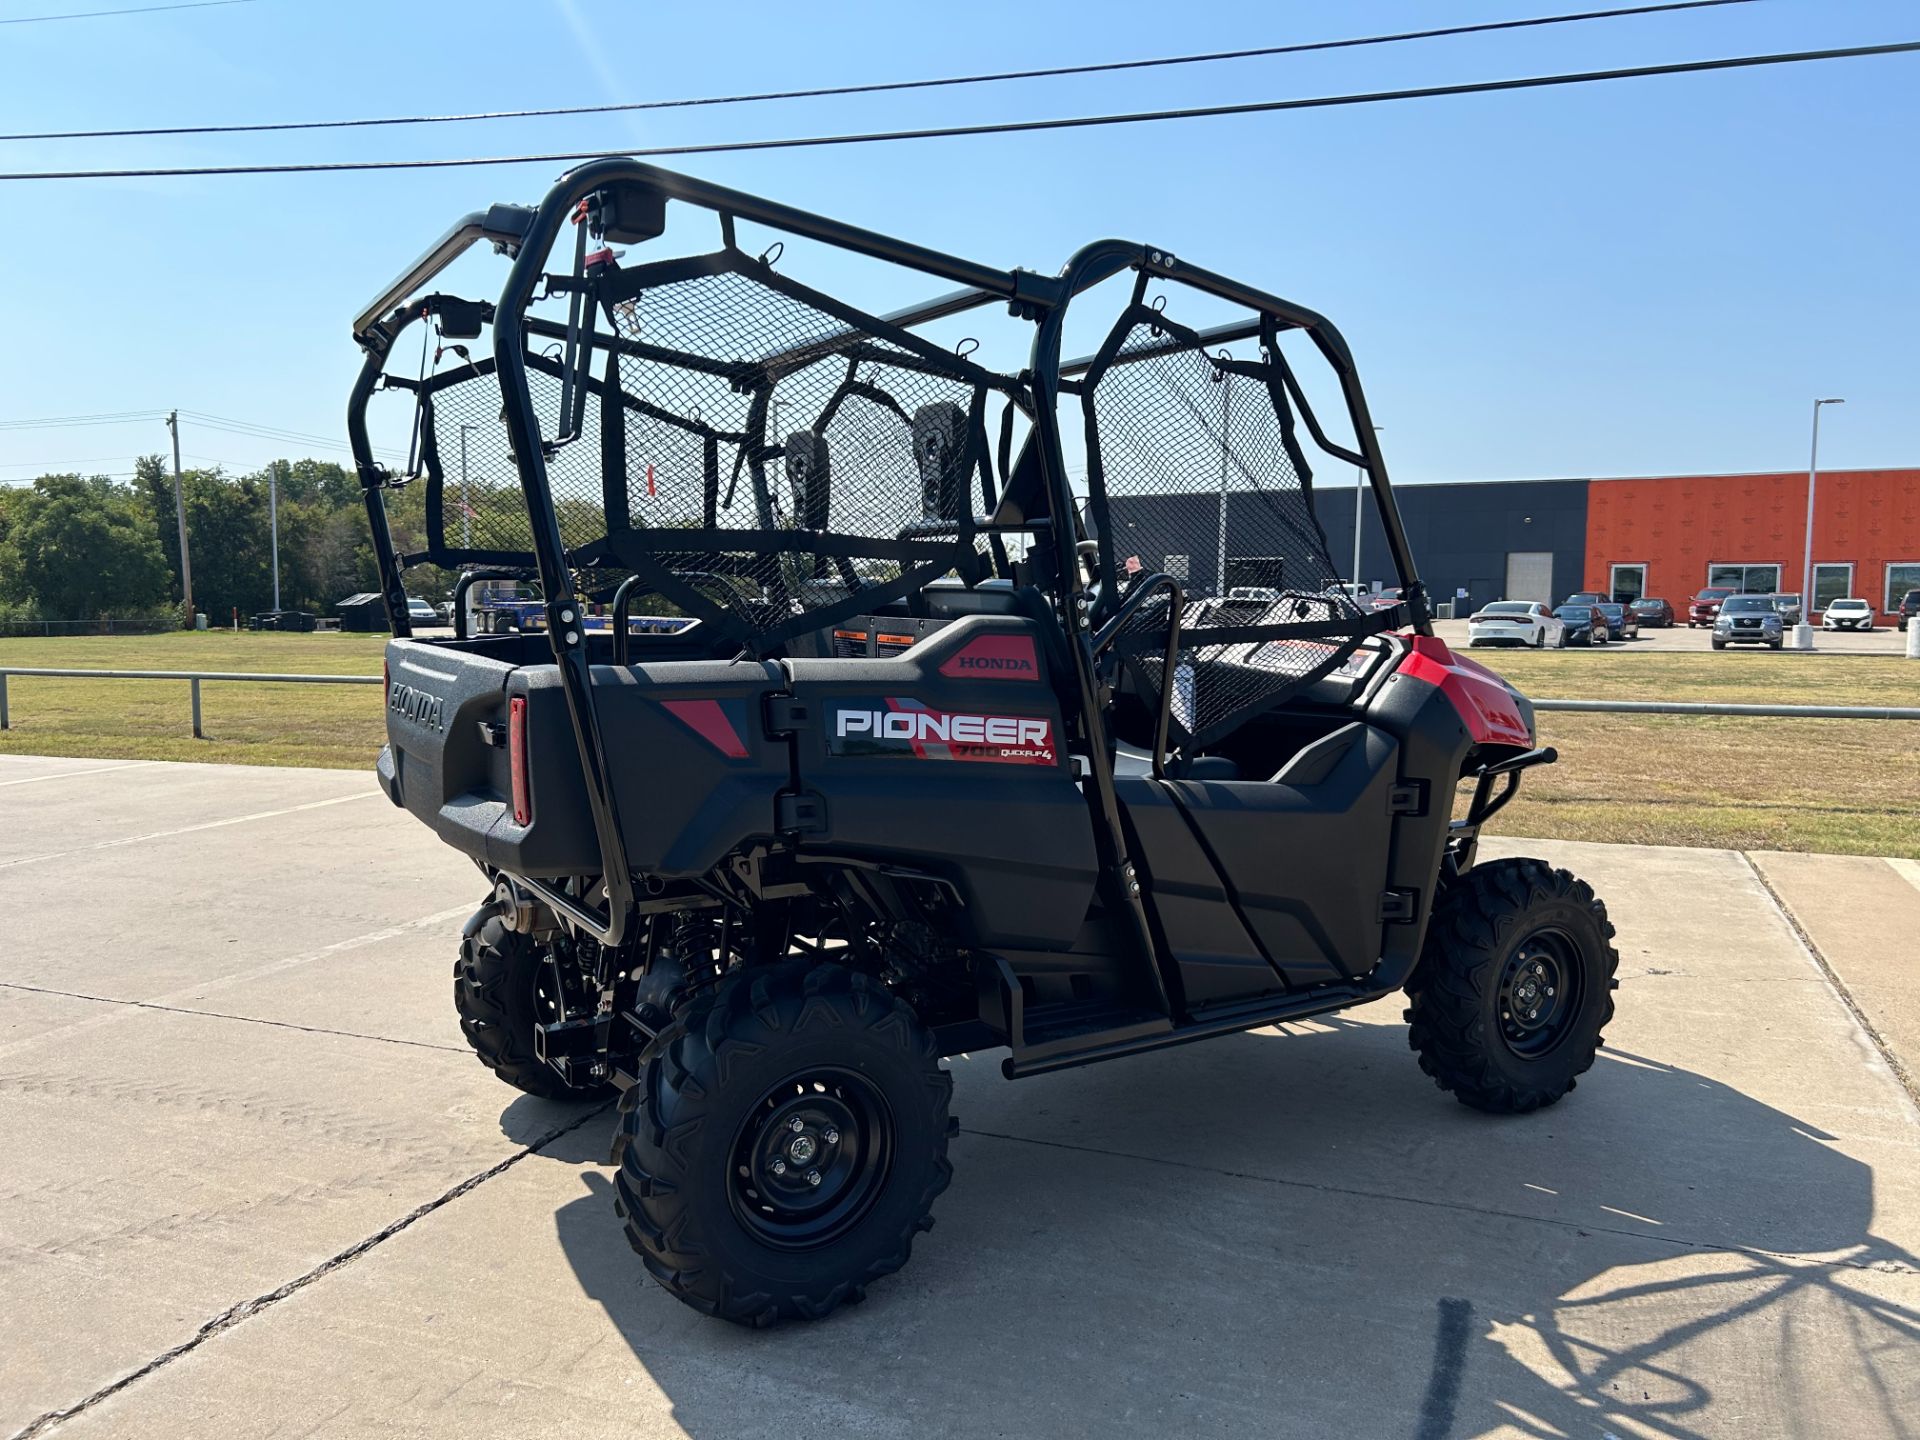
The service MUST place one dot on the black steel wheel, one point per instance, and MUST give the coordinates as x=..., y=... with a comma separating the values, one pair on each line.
x=502, y=988
x=1514, y=987
x=811, y=1158
x=784, y=1144
x=1540, y=991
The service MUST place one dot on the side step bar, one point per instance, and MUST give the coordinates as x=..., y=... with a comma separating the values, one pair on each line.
x=1137, y=1036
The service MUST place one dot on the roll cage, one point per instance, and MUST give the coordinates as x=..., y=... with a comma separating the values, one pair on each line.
x=695, y=361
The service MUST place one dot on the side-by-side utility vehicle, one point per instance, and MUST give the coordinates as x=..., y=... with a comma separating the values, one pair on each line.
x=904, y=687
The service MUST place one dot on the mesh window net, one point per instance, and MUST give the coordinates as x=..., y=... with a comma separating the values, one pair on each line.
x=1194, y=470
x=763, y=457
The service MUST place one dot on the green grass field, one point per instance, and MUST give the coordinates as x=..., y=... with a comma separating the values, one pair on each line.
x=1844, y=787
x=336, y=726
x=1839, y=786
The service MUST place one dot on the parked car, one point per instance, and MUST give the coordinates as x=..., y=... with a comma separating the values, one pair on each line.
x=1515, y=622
x=1788, y=607
x=1622, y=623
x=1706, y=605
x=1852, y=613
x=1384, y=599
x=1909, y=607
x=1253, y=592
x=1582, y=625
x=1652, y=613
x=1585, y=597
x=420, y=612
x=1748, y=620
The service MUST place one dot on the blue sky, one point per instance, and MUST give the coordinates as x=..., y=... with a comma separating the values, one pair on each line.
x=1645, y=277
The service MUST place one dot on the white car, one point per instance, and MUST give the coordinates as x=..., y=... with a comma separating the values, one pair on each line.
x=1253, y=592
x=1852, y=613
x=1516, y=622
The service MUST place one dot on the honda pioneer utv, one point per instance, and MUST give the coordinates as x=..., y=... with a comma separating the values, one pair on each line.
x=889, y=697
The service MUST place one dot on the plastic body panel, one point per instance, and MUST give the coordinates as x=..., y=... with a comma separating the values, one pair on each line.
x=696, y=773
x=993, y=807
x=1435, y=743
x=1304, y=863
x=1213, y=954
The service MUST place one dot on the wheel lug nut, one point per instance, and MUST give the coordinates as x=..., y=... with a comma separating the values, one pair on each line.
x=1549, y=991
x=796, y=1124
x=779, y=1167
x=832, y=1137
x=813, y=1177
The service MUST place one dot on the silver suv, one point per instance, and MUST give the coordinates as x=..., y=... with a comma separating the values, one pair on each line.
x=1748, y=620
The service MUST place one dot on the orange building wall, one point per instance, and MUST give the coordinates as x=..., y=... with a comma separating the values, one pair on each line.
x=1678, y=525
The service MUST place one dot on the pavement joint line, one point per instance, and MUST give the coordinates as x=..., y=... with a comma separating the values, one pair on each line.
x=188, y=829
x=1584, y=1227
x=73, y=774
x=225, y=1015
x=259, y=972
x=234, y=1315
x=1902, y=1076
x=1908, y=870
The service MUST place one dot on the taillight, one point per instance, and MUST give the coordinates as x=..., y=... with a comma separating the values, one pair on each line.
x=517, y=759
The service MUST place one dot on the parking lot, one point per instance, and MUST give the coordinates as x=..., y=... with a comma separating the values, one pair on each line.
x=1885, y=640
x=255, y=1185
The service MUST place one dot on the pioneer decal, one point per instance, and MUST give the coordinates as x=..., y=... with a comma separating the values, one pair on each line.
x=994, y=657
x=910, y=730
x=424, y=709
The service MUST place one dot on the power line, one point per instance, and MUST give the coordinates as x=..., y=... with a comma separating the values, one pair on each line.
x=880, y=87
x=137, y=10
x=944, y=132
x=247, y=429
x=51, y=466
x=64, y=422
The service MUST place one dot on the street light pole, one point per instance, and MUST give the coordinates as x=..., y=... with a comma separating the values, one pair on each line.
x=1803, y=632
x=1220, y=574
x=1359, y=492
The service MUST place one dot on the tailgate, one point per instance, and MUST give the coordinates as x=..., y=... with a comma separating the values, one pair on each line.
x=446, y=758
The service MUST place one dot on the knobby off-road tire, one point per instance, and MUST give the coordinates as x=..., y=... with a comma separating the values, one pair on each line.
x=799, y=1068
x=1482, y=1021
x=497, y=984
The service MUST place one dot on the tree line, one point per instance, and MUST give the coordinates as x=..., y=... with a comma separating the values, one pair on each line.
x=88, y=547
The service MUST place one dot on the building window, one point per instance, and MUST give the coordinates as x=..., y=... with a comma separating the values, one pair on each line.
x=1745, y=579
x=1628, y=583
x=1900, y=579
x=1831, y=582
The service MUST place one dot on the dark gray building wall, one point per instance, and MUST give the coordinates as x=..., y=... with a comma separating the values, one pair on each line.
x=1461, y=534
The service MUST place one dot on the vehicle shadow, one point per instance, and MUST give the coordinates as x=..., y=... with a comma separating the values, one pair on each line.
x=1296, y=1234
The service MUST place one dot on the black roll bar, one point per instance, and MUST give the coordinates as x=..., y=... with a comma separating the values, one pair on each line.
x=529, y=237
x=504, y=225
x=467, y=580
x=1176, y=602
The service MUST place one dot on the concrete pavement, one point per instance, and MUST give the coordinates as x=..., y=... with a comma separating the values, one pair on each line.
x=252, y=1183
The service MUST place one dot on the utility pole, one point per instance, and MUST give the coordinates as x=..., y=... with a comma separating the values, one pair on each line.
x=180, y=518
x=466, y=500
x=273, y=523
